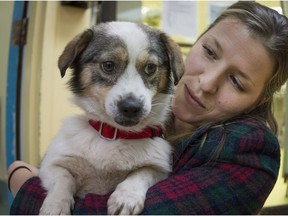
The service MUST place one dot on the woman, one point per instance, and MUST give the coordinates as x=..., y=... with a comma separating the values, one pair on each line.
x=227, y=156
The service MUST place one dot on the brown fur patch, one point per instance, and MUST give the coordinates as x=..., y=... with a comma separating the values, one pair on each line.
x=89, y=179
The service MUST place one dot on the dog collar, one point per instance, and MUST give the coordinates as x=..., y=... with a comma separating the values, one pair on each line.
x=112, y=133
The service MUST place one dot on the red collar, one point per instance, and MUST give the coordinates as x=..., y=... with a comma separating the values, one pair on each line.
x=112, y=133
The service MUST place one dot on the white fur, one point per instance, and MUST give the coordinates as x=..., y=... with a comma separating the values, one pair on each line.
x=129, y=83
x=135, y=39
x=129, y=167
x=104, y=155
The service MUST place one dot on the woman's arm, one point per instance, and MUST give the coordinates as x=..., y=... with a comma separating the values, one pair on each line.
x=18, y=173
x=238, y=182
x=218, y=189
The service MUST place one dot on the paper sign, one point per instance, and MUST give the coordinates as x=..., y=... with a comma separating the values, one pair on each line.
x=180, y=18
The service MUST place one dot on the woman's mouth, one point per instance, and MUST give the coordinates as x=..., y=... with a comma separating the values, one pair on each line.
x=192, y=98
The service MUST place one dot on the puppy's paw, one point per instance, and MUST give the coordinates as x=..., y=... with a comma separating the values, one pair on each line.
x=126, y=202
x=56, y=206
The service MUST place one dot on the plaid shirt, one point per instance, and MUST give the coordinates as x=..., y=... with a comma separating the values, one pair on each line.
x=238, y=181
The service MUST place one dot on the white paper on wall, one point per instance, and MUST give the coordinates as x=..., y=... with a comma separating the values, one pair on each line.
x=180, y=18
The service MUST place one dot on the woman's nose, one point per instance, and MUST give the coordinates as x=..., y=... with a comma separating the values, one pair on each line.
x=210, y=81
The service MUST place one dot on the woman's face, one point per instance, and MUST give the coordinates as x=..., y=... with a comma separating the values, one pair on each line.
x=225, y=74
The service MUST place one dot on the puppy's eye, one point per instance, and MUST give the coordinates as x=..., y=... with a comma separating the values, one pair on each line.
x=150, y=69
x=108, y=66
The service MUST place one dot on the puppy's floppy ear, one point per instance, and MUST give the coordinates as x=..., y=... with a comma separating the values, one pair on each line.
x=175, y=57
x=73, y=49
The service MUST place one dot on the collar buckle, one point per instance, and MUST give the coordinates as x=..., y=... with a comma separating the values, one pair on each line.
x=105, y=137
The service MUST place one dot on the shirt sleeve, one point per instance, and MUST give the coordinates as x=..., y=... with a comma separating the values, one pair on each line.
x=238, y=181
x=217, y=189
x=213, y=190
x=29, y=198
x=31, y=195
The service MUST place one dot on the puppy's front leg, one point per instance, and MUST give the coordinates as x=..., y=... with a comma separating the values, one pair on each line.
x=61, y=187
x=129, y=195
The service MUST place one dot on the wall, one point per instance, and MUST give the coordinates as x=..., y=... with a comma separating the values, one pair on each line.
x=6, y=12
x=62, y=23
x=30, y=111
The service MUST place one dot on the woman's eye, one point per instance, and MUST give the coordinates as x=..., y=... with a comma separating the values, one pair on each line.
x=150, y=69
x=108, y=66
x=209, y=52
x=236, y=83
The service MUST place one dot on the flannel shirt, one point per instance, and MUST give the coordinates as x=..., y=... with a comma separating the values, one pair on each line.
x=238, y=181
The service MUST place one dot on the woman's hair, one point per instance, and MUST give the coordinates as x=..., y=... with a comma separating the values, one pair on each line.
x=271, y=28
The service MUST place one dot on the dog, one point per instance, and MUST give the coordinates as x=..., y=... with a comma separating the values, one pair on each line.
x=123, y=76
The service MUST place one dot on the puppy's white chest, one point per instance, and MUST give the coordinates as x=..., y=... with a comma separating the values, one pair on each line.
x=120, y=155
x=98, y=165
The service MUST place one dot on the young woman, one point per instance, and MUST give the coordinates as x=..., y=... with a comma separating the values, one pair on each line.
x=227, y=155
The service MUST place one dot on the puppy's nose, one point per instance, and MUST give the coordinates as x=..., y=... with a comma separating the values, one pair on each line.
x=130, y=107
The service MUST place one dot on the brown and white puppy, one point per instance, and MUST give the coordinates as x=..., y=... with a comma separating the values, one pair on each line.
x=123, y=75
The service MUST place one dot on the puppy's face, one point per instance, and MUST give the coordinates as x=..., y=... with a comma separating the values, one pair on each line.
x=123, y=73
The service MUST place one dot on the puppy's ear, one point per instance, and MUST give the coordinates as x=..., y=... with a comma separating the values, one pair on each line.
x=175, y=57
x=73, y=49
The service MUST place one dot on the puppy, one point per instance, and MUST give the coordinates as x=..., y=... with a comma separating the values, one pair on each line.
x=123, y=75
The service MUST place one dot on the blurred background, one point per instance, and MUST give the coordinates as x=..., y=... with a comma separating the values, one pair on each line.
x=34, y=99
